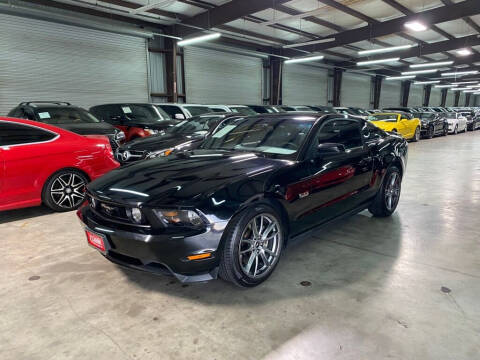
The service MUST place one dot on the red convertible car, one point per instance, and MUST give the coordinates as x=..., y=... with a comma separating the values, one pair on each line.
x=40, y=163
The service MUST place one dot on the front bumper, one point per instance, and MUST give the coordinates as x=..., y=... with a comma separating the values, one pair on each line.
x=158, y=253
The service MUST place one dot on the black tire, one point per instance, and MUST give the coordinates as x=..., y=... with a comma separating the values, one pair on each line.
x=379, y=206
x=445, y=131
x=68, y=198
x=455, y=131
x=232, y=266
x=416, y=135
x=431, y=132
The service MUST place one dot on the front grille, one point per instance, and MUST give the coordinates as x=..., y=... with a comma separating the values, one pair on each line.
x=126, y=156
x=113, y=144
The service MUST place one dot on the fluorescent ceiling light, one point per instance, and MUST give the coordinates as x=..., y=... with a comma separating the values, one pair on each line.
x=380, y=61
x=320, y=41
x=385, y=49
x=464, y=82
x=426, y=82
x=445, y=86
x=199, y=39
x=438, y=63
x=400, y=77
x=464, y=52
x=459, y=89
x=416, y=26
x=304, y=59
x=460, y=73
x=429, y=71
x=470, y=91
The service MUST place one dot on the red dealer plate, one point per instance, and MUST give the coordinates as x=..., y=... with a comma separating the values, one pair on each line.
x=96, y=240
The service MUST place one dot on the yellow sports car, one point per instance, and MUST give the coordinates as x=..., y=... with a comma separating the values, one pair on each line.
x=402, y=123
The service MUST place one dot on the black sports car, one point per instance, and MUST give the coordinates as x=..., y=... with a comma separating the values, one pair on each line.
x=432, y=124
x=187, y=134
x=473, y=120
x=229, y=207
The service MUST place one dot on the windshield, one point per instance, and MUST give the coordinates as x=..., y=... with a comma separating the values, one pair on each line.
x=325, y=109
x=243, y=110
x=144, y=113
x=198, y=110
x=65, y=115
x=282, y=137
x=355, y=111
x=426, y=115
x=195, y=125
x=383, y=117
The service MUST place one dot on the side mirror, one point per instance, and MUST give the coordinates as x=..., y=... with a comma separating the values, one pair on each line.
x=330, y=148
x=179, y=117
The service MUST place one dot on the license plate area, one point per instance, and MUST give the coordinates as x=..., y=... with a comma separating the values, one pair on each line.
x=97, y=241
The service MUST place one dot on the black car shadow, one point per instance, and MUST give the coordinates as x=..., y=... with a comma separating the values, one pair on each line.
x=23, y=214
x=359, y=248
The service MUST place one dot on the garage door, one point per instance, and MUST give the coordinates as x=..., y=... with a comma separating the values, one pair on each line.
x=355, y=90
x=390, y=94
x=217, y=77
x=415, y=98
x=435, y=97
x=304, y=85
x=40, y=60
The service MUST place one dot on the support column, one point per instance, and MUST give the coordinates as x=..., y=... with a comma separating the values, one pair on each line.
x=171, y=66
x=467, y=99
x=377, y=90
x=444, y=97
x=426, y=95
x=457, y=98
x=405, y=92
x=337, y=86
x=276, y=73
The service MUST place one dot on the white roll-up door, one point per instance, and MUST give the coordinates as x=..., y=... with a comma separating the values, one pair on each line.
x=390, y=94
x=435, y=97
x=415, y=98
x=218, y=77
x=355, y=90
x=304, y=85
x=41, y=60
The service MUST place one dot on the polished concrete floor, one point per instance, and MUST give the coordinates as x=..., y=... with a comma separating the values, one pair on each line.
x=406, y=287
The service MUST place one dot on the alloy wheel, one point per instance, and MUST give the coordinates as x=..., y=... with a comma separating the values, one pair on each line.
x=392, y=191
x=68, y=190
x=259, y=246
x=417, y=134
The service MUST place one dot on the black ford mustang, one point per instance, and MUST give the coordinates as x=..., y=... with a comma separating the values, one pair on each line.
x=229, y=207
x=432, y=124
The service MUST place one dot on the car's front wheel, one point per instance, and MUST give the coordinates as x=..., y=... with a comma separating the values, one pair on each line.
x=416, y=135
x=65, y=190
x=387, y=198
x=252, y=246
x=431, y=132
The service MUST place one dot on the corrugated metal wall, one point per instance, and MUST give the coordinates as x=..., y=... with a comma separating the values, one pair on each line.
x=40, y=60
x=390, y=94
x=304, y=85
x=415, y=98
x=217, y=77
x=435, y=97
x=355, y=90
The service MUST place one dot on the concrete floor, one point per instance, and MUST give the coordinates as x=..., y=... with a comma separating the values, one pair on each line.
x=406, y=287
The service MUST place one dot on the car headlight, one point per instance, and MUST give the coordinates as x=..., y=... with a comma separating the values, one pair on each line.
x=154, y=154
x=135, y=214
x=180, y=218
x=119, y=136
x=151, y=131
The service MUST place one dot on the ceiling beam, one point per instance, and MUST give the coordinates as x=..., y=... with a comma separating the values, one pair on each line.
x=220, y=15
x=395, y=26
x=134, y=6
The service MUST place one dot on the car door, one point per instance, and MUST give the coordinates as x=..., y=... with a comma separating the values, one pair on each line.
x=338, y=180
x=24, y=153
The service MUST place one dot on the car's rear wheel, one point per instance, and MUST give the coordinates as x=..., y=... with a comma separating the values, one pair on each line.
x=431, y=132
x=387, y=198
x=252, y=247
x=445, y=131
x=65, y=190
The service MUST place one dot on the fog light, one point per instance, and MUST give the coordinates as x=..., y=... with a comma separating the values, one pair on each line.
x=137, y=215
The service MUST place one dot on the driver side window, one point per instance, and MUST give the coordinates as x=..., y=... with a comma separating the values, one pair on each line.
x=340, y=131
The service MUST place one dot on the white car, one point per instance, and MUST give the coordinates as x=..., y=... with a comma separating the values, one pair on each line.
x=456, y=123
x=183, y=111
x=241, y=109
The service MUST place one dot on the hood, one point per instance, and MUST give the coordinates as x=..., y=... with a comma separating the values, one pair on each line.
x=159, y=125
x=100, y=128
x=160, y=142
x=182, y=179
